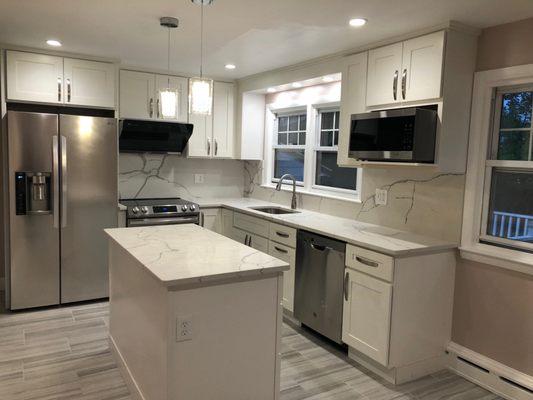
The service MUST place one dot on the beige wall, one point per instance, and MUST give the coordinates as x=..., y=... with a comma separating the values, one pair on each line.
x=506, y=45
x=493, y=309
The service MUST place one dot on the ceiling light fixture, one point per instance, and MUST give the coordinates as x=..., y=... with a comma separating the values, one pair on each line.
x=296, y=85
x=357, y=22
x=328, y=79
x=53, y=42
x=271, y=90
x=200, y=88
x=230, y=66
x=168, y=101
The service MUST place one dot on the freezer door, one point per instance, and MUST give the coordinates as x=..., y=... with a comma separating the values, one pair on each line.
x=33, y=239
x=88, y=204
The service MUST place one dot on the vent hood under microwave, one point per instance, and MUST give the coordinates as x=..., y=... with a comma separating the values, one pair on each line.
x=153, y=136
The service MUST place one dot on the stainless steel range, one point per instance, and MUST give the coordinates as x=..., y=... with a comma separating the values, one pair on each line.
x=162, y=211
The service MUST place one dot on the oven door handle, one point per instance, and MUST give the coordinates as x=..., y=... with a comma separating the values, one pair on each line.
x=162, y=221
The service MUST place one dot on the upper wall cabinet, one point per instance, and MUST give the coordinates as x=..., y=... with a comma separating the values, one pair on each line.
x=57, y=80
x=139, y=95
x=406, y=71
x=213, y=134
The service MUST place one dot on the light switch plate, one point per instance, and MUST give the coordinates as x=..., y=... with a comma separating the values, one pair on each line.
x=199, y=178
x=381, y=197
x=184, y=328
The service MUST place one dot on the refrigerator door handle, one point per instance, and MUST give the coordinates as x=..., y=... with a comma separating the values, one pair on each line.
x=64, y=178
x=55, y=180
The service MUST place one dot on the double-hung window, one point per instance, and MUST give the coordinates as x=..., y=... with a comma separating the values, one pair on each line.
x=289, y=147
x=327, y=174
x=507, y=218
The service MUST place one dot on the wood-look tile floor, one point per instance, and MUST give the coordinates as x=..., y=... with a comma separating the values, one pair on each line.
x=63, y=354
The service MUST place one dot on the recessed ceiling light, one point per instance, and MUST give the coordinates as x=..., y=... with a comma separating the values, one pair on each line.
x=230, y=66
x=53, y=42
x=271, y=90
x=357, y=22
x=296, y=85
x=328, y=79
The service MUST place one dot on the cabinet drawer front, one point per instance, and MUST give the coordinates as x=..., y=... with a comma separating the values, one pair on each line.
x=370, y=262
x=282, y=234
x=251, y=224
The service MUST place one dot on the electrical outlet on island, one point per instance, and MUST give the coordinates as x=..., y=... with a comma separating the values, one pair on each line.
x=381, y=197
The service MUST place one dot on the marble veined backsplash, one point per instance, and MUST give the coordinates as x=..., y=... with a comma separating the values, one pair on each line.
x=160, y=175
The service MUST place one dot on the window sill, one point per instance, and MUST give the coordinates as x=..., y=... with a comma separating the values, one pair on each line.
x=513, y=260
x=353, y=198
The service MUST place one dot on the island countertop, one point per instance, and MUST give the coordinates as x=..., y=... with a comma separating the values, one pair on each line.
x=182, y=254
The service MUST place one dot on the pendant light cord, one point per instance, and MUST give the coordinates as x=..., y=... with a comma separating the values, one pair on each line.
x=202, y=40
x=168, y=59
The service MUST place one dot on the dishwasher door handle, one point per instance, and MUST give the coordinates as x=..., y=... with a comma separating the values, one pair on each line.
x=319, y=247
x=346, y=281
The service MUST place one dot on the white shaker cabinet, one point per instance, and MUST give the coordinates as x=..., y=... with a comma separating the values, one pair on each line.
x=366, y=317
x=213, y=134
x=181, y=85
x=89, y=83
x=406, y=71
x=34, y=77
x=50, y=79
x=210, y=218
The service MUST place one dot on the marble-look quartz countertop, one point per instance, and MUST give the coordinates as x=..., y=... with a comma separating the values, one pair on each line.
x=382, y=239
x=183, y=254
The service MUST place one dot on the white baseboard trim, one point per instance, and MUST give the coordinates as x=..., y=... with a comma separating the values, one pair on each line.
x=403, y=374
x=135, y=391
x=490, y=374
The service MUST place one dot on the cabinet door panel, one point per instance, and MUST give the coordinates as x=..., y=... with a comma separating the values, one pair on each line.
x=288, y=255
x=227, y=222
x=211, y=219
x=366, y=316
x=384, y=65
x=223, y=118
x=422, y=67
x=137, y=92
x=34, y=77
x=201, y=142
x=89, y=83
x=176, y=83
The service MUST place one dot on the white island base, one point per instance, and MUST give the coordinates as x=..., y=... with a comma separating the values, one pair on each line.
x=190, y=336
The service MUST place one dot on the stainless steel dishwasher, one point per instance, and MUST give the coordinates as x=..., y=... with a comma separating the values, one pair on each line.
x=318, y=292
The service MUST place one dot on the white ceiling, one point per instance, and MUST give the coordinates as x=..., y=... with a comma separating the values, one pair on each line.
x=255, y=35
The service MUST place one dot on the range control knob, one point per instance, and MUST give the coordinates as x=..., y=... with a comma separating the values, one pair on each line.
x=144, y=209
x=184, y=208
x=192, y=207
x=135, y=210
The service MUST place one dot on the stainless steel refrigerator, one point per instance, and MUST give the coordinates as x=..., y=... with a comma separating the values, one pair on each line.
x=62, y=177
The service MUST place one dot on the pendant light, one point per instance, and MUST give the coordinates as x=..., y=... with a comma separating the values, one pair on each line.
x=168, y=96
x=200, y=88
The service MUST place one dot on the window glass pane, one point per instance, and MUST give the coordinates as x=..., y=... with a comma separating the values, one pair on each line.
x=293, y=138
x=336, y=138
x=511, y=205
x=327, y=120
x=303, y=122
x=328, y=173
x=516, y=110
x=302, y=138
x=293, y=123
x=326, y=138
x=337, y=114
x=289, y=162
x=282, y=138
x=282, y=124
x=513, y=145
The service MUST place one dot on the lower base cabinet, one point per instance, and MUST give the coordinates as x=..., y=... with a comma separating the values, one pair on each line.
x=210, y=218
x=286, y=254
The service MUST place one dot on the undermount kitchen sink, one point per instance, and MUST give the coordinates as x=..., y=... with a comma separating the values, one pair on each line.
x=274, y=210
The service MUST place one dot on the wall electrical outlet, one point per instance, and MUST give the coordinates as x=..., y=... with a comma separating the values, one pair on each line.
x=184, y=328
x=199, y=178
x=381, y=197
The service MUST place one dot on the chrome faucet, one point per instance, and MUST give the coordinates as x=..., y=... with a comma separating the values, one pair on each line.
x=280, y=182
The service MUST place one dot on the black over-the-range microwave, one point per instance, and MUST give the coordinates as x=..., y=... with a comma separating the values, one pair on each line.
x=401, y=135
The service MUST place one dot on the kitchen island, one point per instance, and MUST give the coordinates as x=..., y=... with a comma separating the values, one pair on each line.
x=193, y=314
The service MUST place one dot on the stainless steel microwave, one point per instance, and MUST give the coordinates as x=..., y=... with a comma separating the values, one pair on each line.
x=404, y=135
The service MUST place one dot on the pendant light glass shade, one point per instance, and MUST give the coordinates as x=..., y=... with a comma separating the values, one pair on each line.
x=169, y=100
x=200, y=96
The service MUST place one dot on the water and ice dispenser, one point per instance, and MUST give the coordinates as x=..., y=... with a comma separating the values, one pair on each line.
x=33, y=193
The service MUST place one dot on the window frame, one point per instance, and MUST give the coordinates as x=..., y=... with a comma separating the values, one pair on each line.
x=307, y=186
x=475, y=243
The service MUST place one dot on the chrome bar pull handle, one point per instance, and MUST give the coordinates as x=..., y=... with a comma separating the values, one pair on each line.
x=281, y=250
x=208, y=146
x=216, y=147
x=64, y=179
x=157, y=108
x=395, y=85
x=59, y=81
x=68, y=91
x=404, y=82
x=246, y=240
x=151, y=107
x=367, y=262
x=55, y=180
x=346, y=282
